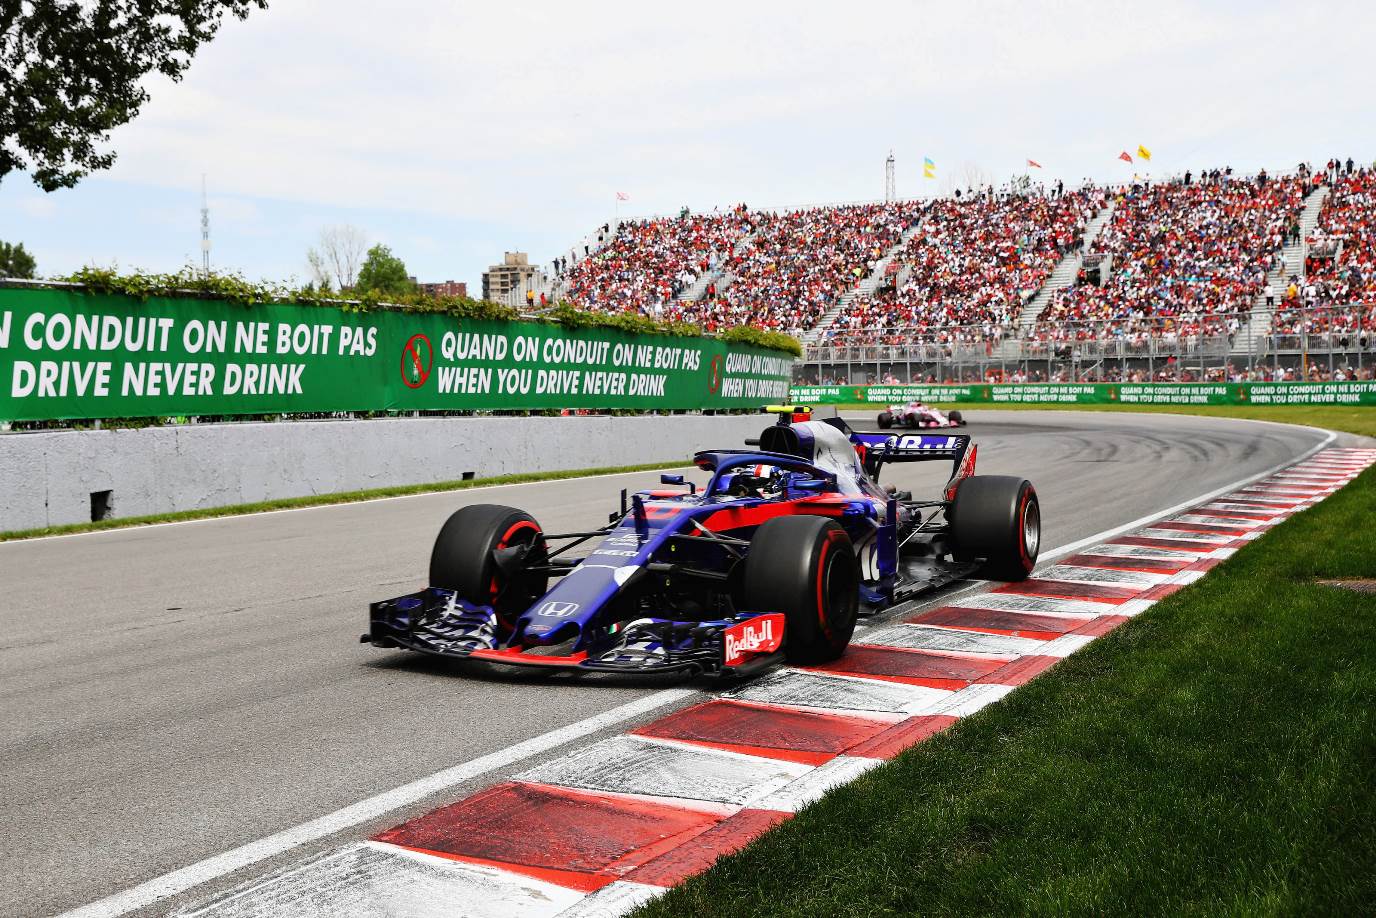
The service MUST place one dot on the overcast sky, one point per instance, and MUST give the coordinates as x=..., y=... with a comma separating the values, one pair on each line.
x=456, y=132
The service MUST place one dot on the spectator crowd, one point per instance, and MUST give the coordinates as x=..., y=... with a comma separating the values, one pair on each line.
x=1337, y=296
x=969, y=268
x=1175, y=261
x=1183, y=258
x=649, y=262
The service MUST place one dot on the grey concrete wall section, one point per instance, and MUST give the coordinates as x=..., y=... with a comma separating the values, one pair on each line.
x=46, y=478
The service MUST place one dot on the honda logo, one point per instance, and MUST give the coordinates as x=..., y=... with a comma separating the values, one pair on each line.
x=556, y=609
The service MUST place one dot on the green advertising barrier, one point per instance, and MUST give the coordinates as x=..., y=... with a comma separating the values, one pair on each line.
x=1256, y=393
x=69, y=354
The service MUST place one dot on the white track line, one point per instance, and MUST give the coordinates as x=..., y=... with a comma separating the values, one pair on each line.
x=179, y=881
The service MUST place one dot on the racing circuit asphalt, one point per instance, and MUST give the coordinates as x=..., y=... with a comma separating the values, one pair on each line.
x=175, y=691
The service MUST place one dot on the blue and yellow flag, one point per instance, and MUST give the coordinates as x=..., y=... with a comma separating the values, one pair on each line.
x=928, y=167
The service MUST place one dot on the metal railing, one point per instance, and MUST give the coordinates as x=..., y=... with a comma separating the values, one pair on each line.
x=1331, y=339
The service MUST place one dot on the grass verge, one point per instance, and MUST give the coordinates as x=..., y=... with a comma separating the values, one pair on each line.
x=318, y=500
x=1217, y=755
x=1358, y=420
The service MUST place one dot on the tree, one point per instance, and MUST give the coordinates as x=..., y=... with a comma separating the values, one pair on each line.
x=72, y=70
x=383, y=272
x=15, y=262
x=335, y=262
x=320, y=273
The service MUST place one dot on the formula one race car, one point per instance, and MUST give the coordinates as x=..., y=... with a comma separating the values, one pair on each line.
x=773, y=560
x=915, y=415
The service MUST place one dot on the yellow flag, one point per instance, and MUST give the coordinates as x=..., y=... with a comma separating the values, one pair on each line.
x=1143, y=152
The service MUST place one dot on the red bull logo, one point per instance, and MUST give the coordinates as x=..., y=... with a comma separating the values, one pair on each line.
x=761, y=634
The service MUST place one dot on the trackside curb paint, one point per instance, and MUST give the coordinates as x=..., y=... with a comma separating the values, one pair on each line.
x=195, y=874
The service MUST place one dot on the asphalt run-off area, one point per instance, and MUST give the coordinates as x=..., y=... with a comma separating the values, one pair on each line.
x=201, y=731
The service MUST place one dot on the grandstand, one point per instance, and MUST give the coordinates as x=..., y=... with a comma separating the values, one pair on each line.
x=1208, y=276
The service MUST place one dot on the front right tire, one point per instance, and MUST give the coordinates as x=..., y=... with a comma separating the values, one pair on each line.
x=464, y=559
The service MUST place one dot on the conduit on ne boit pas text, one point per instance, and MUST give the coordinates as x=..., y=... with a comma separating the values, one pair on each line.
x=1230, y=393
x=550, y=353
x=73, y=354
x=575, y=366
x=103, y=333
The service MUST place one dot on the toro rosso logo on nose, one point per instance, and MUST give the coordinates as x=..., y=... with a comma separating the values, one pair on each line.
x=761, y=634
x=556, y=609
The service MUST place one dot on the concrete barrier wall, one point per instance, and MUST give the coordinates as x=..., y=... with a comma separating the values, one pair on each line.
x=47, y=478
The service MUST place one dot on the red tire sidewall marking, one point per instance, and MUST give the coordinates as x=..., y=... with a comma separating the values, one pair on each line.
x=412, y=350
x=1021, y=534
x=504, y=542
x=832, y=536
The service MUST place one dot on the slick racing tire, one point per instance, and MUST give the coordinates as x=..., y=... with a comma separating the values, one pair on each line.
x=805, y=567
x=466, y=560
x=912, y=422
x=997, y=519
x=885, y=420
x=956, y=417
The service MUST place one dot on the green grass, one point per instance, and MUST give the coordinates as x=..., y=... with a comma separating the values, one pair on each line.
x=317, y=500
x=1216, y=755
x=1358, y=420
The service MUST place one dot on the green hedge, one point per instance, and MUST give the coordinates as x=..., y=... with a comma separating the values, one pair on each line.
x=236, y=289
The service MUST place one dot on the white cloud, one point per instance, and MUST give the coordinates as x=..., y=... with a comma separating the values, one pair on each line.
x=36, y=206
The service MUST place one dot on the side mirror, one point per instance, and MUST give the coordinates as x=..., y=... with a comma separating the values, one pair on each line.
x=678, y=480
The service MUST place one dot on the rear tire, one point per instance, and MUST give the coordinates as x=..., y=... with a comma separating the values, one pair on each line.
x=464, y=558
x=805, y=567
x=997, y=518
x=957, y=417
x=885, y=420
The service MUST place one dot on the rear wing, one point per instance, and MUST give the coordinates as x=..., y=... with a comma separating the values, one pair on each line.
x=877, y=449
x=912, y=447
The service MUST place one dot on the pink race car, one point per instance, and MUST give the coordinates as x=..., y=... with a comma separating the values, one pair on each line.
x=916, y=415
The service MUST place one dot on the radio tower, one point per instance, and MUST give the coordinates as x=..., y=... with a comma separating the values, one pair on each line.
x=205, y=230
x=890, y=189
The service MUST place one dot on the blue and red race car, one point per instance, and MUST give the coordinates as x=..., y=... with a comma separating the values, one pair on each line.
x=773, y=560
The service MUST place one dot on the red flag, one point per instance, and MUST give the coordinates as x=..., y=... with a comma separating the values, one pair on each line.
x=1034, y=164
x=1125, y=157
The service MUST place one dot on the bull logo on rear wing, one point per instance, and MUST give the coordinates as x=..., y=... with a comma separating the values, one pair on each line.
x=904, y=443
